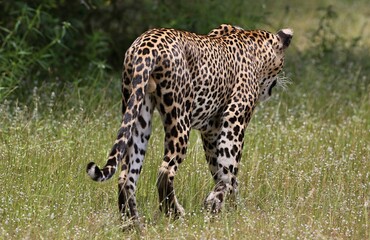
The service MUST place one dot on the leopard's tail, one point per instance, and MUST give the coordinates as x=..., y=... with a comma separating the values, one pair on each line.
x=140, y=80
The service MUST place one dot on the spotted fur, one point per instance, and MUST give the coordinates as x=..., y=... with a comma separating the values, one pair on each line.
x=211, y=83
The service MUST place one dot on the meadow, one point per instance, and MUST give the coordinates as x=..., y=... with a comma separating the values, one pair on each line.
x=305, y=170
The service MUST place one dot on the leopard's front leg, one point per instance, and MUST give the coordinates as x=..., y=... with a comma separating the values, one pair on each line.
x=223, y=189
x=223, y=158
x=223, y=144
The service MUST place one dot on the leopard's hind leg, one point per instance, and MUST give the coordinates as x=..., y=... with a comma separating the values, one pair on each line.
x=133, y=160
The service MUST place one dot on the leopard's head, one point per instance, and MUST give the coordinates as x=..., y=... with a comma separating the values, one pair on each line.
x=273, y=61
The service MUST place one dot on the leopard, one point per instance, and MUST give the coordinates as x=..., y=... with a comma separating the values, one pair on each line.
x=211, y=83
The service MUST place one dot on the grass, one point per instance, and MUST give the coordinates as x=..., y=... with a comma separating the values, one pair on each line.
x=305, y=170
x=300, y=178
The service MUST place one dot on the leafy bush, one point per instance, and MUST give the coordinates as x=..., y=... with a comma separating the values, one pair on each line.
x=38, y=47
x=335, y=66
x=72, y=44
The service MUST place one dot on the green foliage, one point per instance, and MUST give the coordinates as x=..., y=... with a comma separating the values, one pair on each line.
x=38, y=48
x=336, y=66
x=21, y=53
x=328, y=42
x=64, y=44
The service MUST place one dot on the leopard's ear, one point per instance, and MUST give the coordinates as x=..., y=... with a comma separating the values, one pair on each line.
x=285, y=36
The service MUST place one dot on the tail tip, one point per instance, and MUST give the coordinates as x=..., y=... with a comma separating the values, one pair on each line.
x=93, y=171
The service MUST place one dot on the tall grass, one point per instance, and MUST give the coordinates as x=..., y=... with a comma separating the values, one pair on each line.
x=305, y=170
x=300, y=178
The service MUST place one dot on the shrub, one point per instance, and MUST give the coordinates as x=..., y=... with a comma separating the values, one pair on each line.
x=38, y=47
